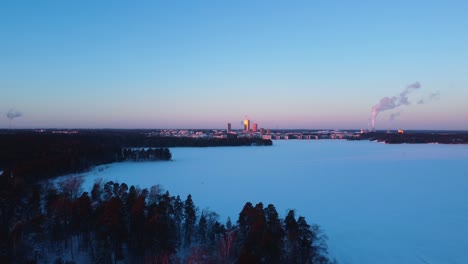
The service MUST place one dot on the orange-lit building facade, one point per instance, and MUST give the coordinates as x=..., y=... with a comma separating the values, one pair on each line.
x=247, y=125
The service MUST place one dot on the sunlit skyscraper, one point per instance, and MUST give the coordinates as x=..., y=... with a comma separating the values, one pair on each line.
x=254, y=127
x=247, y=125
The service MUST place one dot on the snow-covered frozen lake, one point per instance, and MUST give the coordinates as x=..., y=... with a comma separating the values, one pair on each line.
x=377, y=203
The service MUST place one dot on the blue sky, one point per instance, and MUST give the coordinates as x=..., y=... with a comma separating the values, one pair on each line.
x=202, y=64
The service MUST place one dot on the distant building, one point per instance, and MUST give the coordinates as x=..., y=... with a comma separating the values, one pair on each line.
x=247, y=125
x=232, y=135
x=254, y=127
x=262, y=130
x=229, y=128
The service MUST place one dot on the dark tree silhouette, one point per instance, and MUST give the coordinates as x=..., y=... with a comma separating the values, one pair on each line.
x=129, y=225
x=190, y=220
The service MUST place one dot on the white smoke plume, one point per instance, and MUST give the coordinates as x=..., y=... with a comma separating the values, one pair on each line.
x=12, y=114
x=431, y=97
x=394, y=115
x=434, y=96
x=388, y=103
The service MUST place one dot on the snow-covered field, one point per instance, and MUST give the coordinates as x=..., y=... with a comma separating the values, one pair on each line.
x=377, y=203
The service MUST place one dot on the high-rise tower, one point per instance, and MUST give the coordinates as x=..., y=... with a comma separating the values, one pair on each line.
x=247, y=125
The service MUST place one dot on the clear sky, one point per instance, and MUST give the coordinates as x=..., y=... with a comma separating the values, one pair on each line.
x=202, y=64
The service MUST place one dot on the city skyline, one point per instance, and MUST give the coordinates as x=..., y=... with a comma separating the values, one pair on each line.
x=300, y=65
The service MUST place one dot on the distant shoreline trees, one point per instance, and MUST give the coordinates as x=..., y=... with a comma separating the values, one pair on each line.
x=417, y=137
x=32, y=157
x=146, y=154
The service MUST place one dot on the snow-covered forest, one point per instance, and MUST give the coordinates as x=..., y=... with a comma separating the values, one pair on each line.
x=115, y=223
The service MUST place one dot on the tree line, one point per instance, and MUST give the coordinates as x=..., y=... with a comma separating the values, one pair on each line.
x=416, y=137
x=115, y=223
x=30, y=156
x=146, y=154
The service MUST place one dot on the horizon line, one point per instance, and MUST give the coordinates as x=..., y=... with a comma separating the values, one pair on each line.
x=272, y=129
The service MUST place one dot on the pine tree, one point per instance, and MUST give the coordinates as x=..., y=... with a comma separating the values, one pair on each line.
x=190, y=220
x=291, y=229
x=178, y=206
x=202, y=229
x=252, y=227
x=273, y=235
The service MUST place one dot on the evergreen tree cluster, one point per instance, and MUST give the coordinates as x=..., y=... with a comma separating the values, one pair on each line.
x=262, y=237
x=115, y=223
x=146, y=154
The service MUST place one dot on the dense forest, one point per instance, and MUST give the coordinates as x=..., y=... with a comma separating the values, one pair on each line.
x=115, y=223
x=32, y=156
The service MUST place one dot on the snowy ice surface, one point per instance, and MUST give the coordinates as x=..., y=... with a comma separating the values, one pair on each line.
x=377, y=203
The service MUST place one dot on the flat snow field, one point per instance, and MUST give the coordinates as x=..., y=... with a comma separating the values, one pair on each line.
x=377, y=203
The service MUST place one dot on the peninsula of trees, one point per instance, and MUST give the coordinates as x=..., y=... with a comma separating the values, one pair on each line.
x=31, y=156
